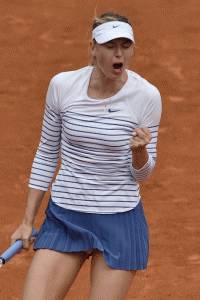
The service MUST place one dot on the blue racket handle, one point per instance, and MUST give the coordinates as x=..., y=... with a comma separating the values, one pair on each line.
x=14, y=249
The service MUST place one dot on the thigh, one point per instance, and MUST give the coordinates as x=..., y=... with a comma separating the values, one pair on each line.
x=108, y=283
x=51, y=274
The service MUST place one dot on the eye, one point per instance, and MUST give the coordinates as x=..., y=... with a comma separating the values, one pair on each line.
x=126, y=46
x=109, y=46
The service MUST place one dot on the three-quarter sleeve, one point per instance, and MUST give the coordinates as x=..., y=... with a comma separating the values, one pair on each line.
x=47, y=155
x=150, y=117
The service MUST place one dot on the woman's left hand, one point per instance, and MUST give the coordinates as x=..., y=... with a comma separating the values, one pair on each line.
x=140, y=138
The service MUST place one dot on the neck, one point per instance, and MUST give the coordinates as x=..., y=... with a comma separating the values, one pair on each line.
x=106, y=86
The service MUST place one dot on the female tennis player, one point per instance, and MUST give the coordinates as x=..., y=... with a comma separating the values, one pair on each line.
x=105, y=120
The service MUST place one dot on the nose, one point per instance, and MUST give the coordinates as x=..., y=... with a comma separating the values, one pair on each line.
x=118, y=51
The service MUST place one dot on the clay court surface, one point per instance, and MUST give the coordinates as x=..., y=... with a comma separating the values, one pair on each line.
x=39, y=39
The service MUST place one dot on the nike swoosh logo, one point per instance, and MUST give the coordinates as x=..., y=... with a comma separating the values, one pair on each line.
x=110, y=110
x=116, y=26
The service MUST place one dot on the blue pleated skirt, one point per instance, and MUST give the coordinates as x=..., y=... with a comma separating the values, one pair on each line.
x=122, y=237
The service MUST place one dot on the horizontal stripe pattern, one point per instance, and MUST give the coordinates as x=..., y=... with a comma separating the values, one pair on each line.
x=47, y=156
x=96, y=173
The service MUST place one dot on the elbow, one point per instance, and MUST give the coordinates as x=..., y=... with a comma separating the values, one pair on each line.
x=50, y=157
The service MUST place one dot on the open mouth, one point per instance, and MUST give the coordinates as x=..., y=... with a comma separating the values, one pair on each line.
x=117, y=66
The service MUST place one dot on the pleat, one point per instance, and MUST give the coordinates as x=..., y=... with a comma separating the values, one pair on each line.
x=122, y=237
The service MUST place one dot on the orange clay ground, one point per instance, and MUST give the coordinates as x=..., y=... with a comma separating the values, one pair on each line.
x=39, y=39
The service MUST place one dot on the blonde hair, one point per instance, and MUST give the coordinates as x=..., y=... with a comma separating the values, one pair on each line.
x=106, y=17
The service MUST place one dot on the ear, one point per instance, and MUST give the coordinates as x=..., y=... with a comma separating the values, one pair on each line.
x=92, y=48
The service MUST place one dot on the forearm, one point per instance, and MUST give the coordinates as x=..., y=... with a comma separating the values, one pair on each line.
x=142, y=163
x=140, y=157
x=33, y=203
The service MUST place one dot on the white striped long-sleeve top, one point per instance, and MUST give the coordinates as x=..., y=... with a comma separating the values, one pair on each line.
x=96, y=173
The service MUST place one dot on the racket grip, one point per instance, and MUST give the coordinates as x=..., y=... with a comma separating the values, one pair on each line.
x=14, y=249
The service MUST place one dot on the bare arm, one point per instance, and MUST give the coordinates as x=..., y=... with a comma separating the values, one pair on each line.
x=139, y=158
x=141, y=138
x=34, y=200
x=24, y=231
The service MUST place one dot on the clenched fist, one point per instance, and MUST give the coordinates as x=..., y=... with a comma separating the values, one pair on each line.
x=140, y=138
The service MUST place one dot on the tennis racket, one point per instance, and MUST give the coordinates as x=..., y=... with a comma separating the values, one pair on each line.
x=14, y=249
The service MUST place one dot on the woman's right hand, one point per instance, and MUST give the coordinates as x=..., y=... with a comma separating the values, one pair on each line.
x=23, y=233
x=25, y=229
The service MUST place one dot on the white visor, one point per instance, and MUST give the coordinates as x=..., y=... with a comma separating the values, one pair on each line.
x=112, y=30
